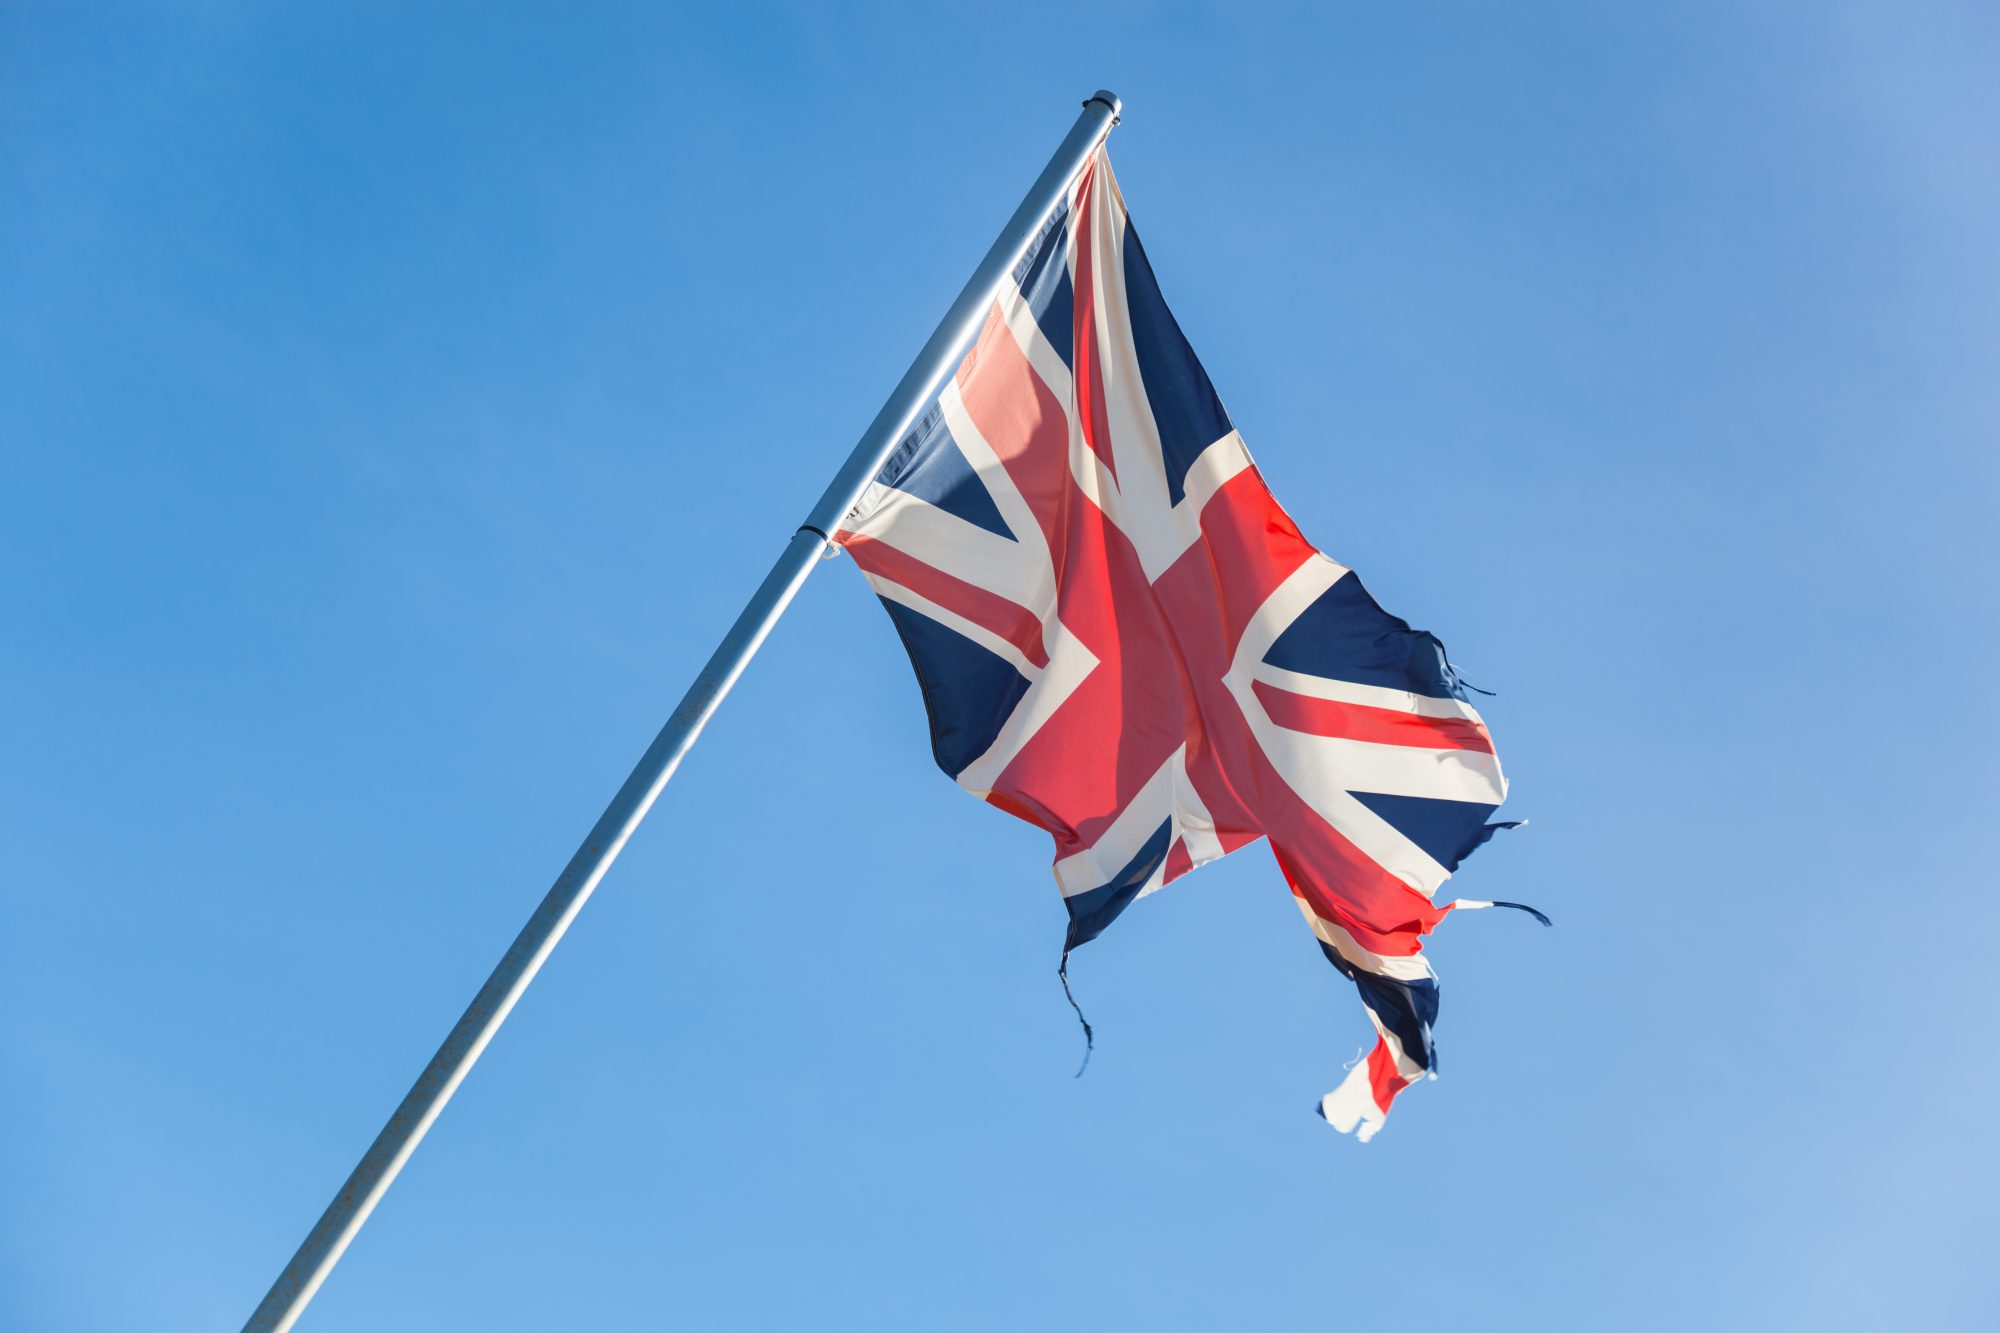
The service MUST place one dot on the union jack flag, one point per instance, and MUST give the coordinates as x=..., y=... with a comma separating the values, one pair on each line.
x=1122, y=639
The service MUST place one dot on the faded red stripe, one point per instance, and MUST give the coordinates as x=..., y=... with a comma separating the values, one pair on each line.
x=1088, y=356
x=1022, y=421
x=990, y=611
x=1383, y=1080
x=1360, y=722
x=1129, y=714
x=1249, y=546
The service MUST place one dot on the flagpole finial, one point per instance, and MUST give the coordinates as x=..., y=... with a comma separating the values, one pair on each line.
x=1109, y=99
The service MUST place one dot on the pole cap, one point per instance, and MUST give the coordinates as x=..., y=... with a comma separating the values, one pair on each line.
x=1109, y=99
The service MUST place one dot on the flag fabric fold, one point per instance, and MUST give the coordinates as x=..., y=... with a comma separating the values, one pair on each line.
x=1121, y=638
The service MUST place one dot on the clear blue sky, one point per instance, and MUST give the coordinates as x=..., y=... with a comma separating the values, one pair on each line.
x=396, y=404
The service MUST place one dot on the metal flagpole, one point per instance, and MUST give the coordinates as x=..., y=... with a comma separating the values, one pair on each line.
x=343, y=1217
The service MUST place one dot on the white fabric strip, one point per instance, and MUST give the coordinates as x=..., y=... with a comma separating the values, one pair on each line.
x=1122, y=839
x=1033, y=566
x=1191, y=816
x=1167, y=797
x=1368, y=696
x=1391, y=770
x=1215, y=468
x=1324, y=770
x=1414, y=967
x=1139, y=506
x=1350, y=1108
x=1301, y=588
x=948, y=543
x=1034, y=344
x=1070, y=663
x=979, y=634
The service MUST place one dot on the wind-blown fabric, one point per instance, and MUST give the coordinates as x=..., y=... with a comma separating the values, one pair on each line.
x=1122, y=639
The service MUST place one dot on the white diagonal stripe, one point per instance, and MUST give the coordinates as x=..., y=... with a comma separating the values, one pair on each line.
x=979, y=634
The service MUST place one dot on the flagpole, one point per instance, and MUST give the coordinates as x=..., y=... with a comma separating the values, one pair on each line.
x=337, y=1226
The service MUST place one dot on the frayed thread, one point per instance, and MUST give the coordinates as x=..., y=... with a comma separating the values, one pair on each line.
x=1534, y=912
x=1474, y=904
x=1089, y=1037
x=1452, y=678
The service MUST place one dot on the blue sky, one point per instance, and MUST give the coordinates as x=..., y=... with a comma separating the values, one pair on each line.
x=396, y=404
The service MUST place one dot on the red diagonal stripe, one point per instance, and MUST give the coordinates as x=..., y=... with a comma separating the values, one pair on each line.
x=1024, y=424
x=1384, y=1079
x=1088, y=376
x=1359, y=722
x=990, y=611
